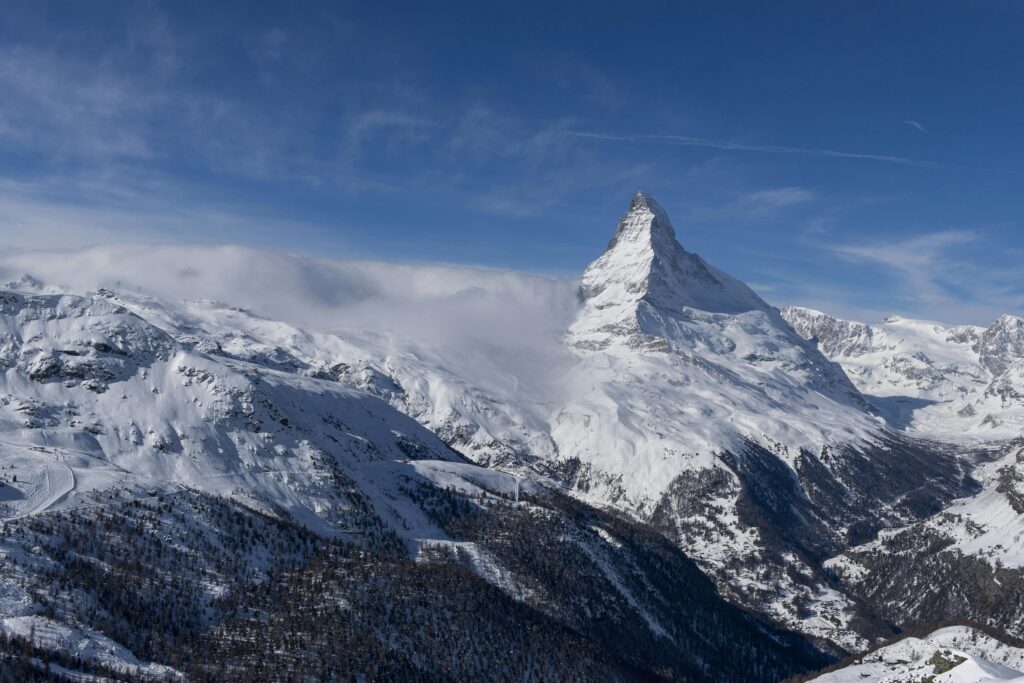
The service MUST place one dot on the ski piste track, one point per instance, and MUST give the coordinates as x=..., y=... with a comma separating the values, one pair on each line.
x=56, y=482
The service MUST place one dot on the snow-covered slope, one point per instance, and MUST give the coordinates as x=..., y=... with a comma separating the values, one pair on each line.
x=678, y=362
x=988, y=525
x=965, y=562
x=98, y=404
x=957, y=654
x=947, y=382
x=961, y=385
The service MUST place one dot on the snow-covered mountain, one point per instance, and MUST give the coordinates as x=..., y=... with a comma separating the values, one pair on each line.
x=692, y=393
x=365, y=401
x=151, y=490
x=950, y=655
x=656, y=384
x=932, y=379
x=961, y=385
x=678, y=362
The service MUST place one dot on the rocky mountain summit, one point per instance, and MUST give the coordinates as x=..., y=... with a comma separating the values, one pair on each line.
x=645, y=264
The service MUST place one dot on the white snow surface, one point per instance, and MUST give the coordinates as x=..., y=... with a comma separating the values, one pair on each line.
x=970, y=655
x=958, y=383
x=95, y=401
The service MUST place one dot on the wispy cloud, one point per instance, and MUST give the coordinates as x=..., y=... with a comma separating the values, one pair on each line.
x=915, y=124
x=767, y=202
x=370, y=123
x=36, y=216
x=59, y=107
x=913, y=254
x=921, y=261
x=940, y=277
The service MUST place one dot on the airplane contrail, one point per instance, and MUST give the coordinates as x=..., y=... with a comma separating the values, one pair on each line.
x=687, y=141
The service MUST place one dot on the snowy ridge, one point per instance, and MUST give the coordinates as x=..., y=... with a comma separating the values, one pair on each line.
x=86, y=645
x=940, y=381
x=956, y=654
x=97, y=403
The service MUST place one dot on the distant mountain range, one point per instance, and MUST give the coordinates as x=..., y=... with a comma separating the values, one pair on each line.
x=926, y=378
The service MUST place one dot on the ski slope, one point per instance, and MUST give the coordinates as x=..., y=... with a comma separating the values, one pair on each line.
x=42, y=484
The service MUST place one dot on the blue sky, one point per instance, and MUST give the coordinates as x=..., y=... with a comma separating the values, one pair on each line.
x=861, y=157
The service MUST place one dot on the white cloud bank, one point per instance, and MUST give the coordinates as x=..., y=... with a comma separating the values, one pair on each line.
x=440, y=304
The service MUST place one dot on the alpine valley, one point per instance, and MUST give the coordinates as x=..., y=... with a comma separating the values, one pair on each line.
x=231, y=464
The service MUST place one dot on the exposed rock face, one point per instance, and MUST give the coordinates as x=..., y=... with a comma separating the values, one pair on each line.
x=1001, y=345
x=74, y=340
x=833, y=336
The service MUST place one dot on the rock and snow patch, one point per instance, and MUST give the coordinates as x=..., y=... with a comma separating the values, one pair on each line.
x=86, y=645
x=988, y=525
x=171, y=417
x=957, y=654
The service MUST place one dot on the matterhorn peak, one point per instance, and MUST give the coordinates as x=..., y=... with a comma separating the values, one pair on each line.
x=645, y=223
x=644, y=263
